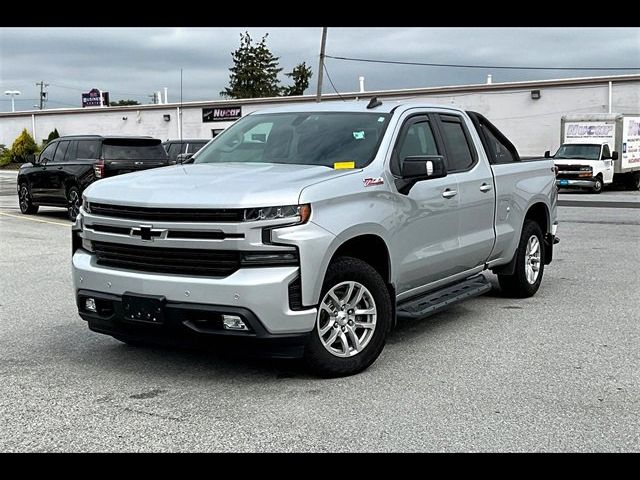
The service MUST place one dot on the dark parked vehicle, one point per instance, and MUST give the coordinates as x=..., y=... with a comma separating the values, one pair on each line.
x=185, y=147
x=67, y=165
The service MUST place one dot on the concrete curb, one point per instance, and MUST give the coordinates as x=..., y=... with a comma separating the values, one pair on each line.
x=598, y=204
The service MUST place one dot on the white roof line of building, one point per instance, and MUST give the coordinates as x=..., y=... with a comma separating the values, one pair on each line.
x=451, y=89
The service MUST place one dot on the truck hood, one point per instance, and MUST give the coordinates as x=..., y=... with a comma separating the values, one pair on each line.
x=211, y=185
x=576, y=161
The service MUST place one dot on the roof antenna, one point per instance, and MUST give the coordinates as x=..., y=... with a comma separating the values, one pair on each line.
x=373, y=103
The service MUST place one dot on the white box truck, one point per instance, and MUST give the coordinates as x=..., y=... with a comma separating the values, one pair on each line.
x=598, y=149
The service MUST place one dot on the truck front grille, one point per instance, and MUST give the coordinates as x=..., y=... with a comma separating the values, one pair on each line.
x=181, y=261
x=169, y=214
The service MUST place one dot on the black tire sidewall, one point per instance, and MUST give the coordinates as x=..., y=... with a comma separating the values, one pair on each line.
x=69, y=209
x=31, y=208
x=517, y=284
x=598, y=190
x=316, y=355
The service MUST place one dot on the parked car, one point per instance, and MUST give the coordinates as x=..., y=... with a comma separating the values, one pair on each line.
x=314, y=241
x=598, y=149
x=185, y=147
x=68, y=165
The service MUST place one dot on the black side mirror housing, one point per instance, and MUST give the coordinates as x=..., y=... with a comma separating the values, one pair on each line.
x=423, y=167
x=614, y=155
x=184, y=158
x=547, y=154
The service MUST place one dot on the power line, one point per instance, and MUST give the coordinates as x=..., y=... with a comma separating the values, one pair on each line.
x=497, y=67
x=324, y=65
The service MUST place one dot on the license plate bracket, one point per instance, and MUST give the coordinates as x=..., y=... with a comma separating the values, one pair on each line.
x=143, y=308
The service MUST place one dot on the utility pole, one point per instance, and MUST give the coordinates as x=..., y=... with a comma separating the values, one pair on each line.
x=43, y=94
x=321, y=64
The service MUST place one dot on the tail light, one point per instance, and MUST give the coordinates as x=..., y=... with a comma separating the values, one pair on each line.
x=98, y=168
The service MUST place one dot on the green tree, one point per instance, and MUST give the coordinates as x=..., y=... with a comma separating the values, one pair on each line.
x=254, y=72
x=301, y=75
x=121, y=103
x=5, y=155
x=22, y=146
x=52, y=136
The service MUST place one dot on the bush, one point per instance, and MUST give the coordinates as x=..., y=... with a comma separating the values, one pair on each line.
x=5, y=155
x=23, y=146
x=52, y=136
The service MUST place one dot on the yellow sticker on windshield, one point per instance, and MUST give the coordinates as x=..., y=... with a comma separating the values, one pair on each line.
x=341, y=165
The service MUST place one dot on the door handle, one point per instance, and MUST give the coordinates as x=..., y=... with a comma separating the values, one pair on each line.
x=485, y=187
x=449, y=193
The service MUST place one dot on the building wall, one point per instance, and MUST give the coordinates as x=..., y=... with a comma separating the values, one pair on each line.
x=532, y=125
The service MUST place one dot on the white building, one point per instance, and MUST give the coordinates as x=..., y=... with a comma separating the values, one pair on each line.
x=527, y=112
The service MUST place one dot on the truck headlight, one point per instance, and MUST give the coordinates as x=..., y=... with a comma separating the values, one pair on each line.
x=275, y=213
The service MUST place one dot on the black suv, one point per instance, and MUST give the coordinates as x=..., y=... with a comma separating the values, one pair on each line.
x=69, y=164
x=186, y=146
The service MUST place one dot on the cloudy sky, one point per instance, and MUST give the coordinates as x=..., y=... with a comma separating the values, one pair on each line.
x=134, y=62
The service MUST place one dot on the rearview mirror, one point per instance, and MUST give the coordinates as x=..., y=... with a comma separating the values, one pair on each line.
x=424, y=167
x=614, y=155
x=547, y=154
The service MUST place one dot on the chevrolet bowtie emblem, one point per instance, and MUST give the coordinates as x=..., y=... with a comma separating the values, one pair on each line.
x=146, y=232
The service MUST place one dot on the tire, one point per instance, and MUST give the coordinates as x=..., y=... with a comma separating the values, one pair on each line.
x=324, y=360
x=598, y=186
x=75, y=200
x=25, y=201
x=517, y=284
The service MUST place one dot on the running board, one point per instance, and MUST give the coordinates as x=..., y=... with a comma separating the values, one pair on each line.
x=432, y=302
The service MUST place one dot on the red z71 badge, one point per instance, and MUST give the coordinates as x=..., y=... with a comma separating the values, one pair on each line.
x=370, y=182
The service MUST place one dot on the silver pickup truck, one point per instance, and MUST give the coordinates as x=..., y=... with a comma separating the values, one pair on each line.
x=309, y=229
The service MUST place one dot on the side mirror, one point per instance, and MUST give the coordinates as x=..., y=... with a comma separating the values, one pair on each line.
x=424, y=167
x=32, y=158
x=614, y=155
x=184, y=158
x=547, y=154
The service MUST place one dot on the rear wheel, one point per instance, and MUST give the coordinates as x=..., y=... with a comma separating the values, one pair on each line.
x=353, y=321
x=74, y=200
x=26, y=202
x=526, y=278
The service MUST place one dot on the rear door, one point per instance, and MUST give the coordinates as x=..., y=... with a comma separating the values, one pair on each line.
x=55, y=178
x=124, y=155
x=428, y=230
x=476, y=195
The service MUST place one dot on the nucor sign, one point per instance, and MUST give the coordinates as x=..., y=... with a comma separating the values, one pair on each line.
x=587, y=130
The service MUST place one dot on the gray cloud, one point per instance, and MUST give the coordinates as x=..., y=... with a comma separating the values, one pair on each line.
x=133, y=62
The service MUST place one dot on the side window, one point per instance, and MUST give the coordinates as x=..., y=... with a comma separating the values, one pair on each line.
x=460, y=156
x=47, y=153
x=71, y=152
x=194, y=147
x=88, y=149
x=606, y=153
x=499, y=153
x=61, y=151
x=417, y=140
x=183, y=147
x=174, y=150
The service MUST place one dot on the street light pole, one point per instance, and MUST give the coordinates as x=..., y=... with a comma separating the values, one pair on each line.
x=321, y=64
x=13, y=93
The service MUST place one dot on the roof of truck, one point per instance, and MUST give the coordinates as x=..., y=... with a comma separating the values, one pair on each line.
x=352, y=106
x=105, y=137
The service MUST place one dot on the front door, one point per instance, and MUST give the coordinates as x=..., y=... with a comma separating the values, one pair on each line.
x=38, y=178
x=427, y=232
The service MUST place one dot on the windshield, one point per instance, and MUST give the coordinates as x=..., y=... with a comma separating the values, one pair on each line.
x=579, y=150
x=324, y=138
x=133, y=151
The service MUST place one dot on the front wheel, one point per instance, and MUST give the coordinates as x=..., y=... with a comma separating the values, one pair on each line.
x=526, y=278
x=26, y=202
x=597, y=185
x=74, y=201
x=353, y=321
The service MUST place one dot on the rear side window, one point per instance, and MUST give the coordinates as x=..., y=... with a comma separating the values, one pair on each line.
x=460, y=156
x=61, y=151
x=88, y=149
x=71, y=152
x=195, y=146
x=498, y=152
x=174, y=150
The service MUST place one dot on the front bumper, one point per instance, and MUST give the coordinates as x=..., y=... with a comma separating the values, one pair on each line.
x=262, y=291
x=571, y=183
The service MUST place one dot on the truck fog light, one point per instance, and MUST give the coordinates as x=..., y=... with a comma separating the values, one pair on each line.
x=90, y=305
x=233, y=322
x=87, y=245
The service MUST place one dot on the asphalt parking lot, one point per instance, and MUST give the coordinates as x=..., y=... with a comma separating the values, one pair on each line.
x=556, y=372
